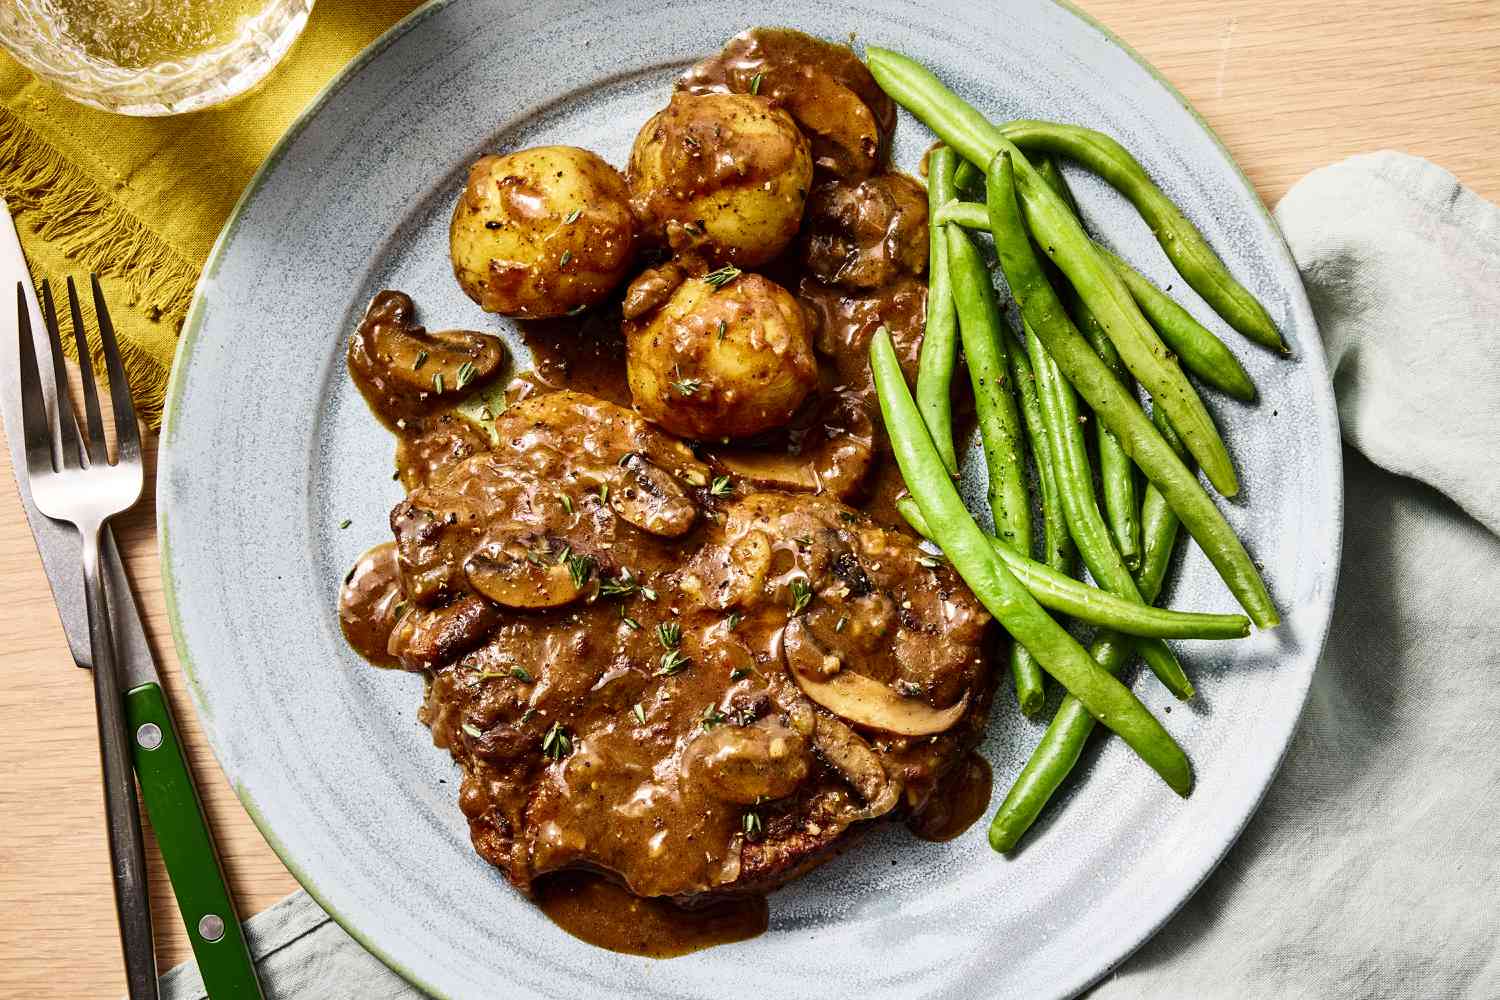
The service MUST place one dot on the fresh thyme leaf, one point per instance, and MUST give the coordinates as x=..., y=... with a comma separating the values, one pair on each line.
x=603, y=492
x=739, y=673
x=734, y=620
x=929, y=560
x=437, y=383
x=669, y=634
x=673, y=662
x=472, y=730
x=752, y=824
x=722, y=486
x=648, y=593
x=723, y=328
x=344, y=523
x=630, y=623
x=686, y=386
x=838, y=626
x=639, y=713
x=567, y=256
x=802, y=595
x=580, y=568
x=420, y=361
x=619, y=586
x=528, y=715
x=722, y=276
x=521, y=674
x=466, y=373
x=557, y=744
x=712, y=717
x=567, y=502
x=755, y=82
x=572, y=216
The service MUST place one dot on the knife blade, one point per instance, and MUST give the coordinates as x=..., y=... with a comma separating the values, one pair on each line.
x=172, y=801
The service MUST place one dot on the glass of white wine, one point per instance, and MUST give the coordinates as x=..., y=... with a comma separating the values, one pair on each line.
x=151, y=57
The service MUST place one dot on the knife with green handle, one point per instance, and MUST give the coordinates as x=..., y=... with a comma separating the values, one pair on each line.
x=165, y=781
x=181, y=830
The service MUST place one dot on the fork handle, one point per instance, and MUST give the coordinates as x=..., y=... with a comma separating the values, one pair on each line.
x=127, y=850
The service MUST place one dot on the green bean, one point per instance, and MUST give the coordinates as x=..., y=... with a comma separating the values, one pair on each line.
x=974, y=138
x=1186, y=248
x=1070, y=460
x=994, y=403
x=1066, y=244
x=971, y=554
x=940, y=341
x=1057, y=544
x=1158, y=523
x=1063, y=742
x=967, y=177
x=1116, y=470
x=1059, y=592
x=999, y=427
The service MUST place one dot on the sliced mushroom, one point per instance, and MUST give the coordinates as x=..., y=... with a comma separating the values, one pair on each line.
x=517, y=578
x=853, y=759
x=445, y=362
x=648, y=497
x=860, y=699
x=845, y=137
x=424, y=640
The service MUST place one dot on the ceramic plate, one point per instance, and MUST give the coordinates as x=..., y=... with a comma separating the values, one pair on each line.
x=269, y=449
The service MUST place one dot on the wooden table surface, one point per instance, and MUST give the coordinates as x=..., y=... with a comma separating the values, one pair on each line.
x=1288, y=85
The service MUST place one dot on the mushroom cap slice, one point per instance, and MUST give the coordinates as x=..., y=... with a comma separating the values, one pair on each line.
x=443, y=362
x=860, y=699
x=524, y=580
x=647, y=496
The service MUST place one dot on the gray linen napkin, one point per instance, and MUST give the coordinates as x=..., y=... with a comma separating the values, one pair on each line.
x=1373, y=867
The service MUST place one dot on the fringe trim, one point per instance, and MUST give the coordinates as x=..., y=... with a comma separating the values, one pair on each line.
x=81, y=222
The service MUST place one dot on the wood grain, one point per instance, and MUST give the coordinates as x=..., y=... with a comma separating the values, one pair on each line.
x=1288, y=85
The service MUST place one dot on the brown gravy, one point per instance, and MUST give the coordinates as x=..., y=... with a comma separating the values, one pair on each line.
x=594, y=909
x=960, y=800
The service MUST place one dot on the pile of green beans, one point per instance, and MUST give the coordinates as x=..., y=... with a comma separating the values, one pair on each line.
x=1091, y=329
x=977, y=140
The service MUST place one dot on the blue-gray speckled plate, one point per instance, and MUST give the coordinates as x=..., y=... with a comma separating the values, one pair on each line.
x=268, y=448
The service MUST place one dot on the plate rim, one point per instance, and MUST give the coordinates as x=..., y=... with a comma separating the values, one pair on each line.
x=1311, y=352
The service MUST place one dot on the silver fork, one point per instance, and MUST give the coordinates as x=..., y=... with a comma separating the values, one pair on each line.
x=75, y=481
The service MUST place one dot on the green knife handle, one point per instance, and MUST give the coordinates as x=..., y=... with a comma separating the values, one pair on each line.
x=188, y=849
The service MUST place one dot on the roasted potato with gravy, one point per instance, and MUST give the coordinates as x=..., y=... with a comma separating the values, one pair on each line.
x=721, y=359
x=725, y=175
x=542, y=232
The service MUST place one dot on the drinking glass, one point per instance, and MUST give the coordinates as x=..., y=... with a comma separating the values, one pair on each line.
x=151, y=57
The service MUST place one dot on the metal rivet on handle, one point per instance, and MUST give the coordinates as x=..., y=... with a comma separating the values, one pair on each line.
x=211, y=927
x=149, y=736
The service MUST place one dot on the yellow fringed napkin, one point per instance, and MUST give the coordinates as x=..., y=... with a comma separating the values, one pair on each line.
x=140, y=201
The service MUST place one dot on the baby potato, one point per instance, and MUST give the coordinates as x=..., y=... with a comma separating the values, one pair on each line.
x=541, y=232
x=726, y=174
x=721, y=361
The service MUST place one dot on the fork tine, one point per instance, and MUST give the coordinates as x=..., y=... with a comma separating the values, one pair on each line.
x=127, y=432
x=65, y=423
x=94, y=443
x=35, y=429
